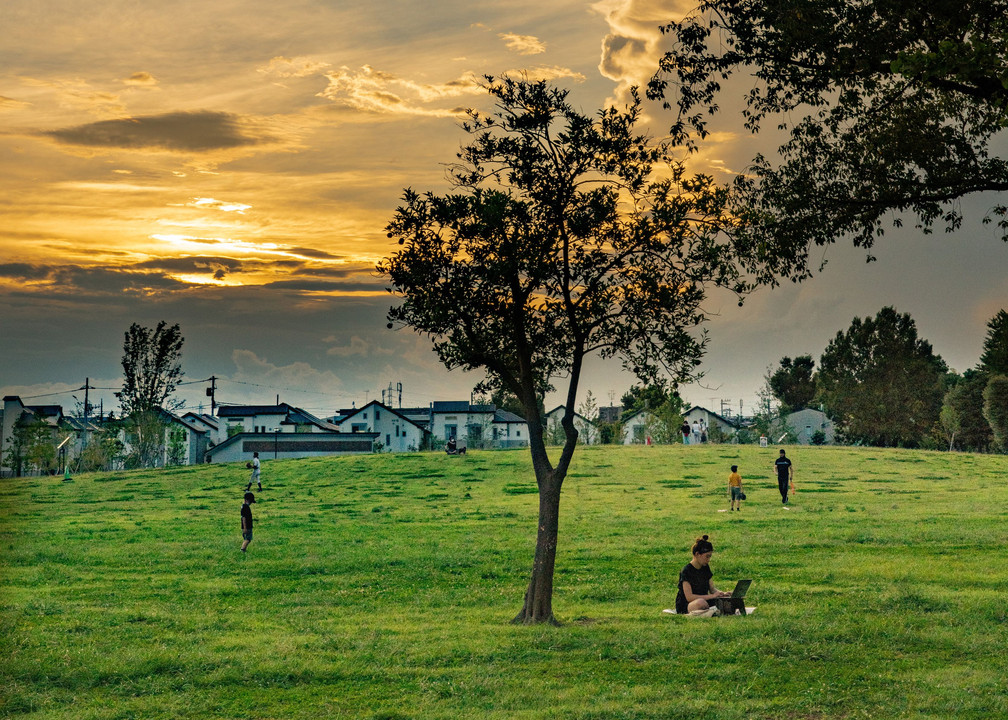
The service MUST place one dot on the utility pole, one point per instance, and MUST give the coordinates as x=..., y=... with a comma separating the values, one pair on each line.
x=399, y=388
x=211, y=393
x=87, y=406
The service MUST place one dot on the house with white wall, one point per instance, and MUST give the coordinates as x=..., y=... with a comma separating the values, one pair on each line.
x=805, y=423
x=588, y=433
x=635, y=428
x=708, y=419
x=396, y=432
x=476, y=425
x=281, y=418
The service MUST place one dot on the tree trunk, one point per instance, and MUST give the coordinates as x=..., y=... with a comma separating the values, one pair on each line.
x=538, y=607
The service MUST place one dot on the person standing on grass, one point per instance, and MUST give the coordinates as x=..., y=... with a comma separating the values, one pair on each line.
x=255, y=473
x=685, y=432
x=785, y=476
x=246, y=520
x=696, y=589
x=735, y=489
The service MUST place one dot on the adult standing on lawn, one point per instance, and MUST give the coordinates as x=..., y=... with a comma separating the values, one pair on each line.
x=785, y=475
x=255, y=473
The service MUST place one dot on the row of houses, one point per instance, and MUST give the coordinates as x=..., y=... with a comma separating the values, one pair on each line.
x=277, y=431
x=284, y=431
x=800, y=426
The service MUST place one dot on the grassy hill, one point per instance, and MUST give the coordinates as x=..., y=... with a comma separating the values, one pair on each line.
x=383, y=586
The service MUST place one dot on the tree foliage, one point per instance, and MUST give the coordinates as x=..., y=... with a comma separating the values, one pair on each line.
x=962, y=412
x=641, y=397
x=994, y=358
x=793, y=383
x=882, y=384
x=996, y=409
x=152, y=369
x=890, y=105
x=561, y=241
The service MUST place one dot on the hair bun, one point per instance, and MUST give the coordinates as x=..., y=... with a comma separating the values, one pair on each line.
x=704, y=537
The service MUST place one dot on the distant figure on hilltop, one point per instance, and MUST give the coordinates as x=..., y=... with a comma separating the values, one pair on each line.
x=254, y=465
x=685, y=432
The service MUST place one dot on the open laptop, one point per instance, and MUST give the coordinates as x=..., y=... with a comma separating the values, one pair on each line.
x=735, y=603
x=741, y=588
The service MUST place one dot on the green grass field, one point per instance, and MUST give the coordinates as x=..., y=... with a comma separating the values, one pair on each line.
x=383, y=587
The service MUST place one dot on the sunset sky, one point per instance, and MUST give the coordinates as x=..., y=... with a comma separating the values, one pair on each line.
x=230, y=166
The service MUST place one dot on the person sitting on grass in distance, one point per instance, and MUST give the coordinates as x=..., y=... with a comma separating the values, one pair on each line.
x=696, y=591
x=735, y=488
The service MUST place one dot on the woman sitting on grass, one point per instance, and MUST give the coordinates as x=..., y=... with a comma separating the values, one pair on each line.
x=695, y=587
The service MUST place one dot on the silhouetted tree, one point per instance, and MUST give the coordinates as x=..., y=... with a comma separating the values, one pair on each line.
x=890, y=105
x=152, y=369
x=881, y=383
x=793, y=383
x=962, y=413
x=558, y=244
x=996, y=409
x=994, y=358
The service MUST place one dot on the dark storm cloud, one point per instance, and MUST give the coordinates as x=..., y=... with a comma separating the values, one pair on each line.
x=197, y=263
x=76, y=281
x=186, y=131
x=24, y=271
x=306, y=285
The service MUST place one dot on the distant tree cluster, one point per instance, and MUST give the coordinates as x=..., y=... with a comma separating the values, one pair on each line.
x=883, y=385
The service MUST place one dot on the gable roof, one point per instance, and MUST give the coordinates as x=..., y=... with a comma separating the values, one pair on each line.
x=446, y=406
x=722, y=418
x=291, y=415
x=561, y=409
x=506, y=416
x=386, y=408
x=249, y=410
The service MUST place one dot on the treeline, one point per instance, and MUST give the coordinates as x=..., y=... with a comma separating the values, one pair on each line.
x=883, y=385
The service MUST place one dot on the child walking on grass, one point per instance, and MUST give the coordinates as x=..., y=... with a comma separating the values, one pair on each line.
x=735, y=489
x=246, y=520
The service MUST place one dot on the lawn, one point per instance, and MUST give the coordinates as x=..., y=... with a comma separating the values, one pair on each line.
x=383, y=586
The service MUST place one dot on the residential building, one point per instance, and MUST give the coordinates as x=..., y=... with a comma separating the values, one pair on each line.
x=278, y=445
x=709, y=419
x=588, y=433
x=396, y=432
x=804, y=424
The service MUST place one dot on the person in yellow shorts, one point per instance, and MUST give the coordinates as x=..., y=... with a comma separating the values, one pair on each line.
x=735, y=489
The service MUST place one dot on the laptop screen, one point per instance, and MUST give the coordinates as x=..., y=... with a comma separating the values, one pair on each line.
x=740, y=588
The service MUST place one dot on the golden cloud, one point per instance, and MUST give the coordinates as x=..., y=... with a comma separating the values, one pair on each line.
x=296, y=67
x=523, y=44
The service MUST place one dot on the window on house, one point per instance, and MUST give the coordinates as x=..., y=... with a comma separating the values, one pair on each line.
x=377, y=414
x=517, y=433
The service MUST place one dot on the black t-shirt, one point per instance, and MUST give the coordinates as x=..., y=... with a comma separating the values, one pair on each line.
x=699, y=580
x=783, y=464
x=246, y=514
